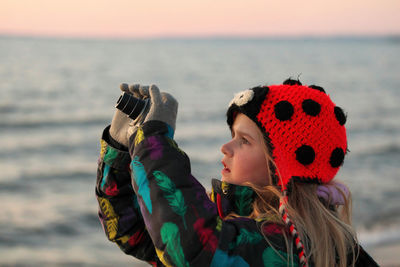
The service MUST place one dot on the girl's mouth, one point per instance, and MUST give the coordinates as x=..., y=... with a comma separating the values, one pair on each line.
x=225, y=170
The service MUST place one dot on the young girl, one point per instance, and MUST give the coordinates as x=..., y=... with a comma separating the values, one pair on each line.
x=276, y=204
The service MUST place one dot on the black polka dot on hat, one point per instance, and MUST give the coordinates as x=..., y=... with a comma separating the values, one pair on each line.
x=316, y=87
x=311, y=107
x=340, y=116
x=305, y=154
x=337, y=157
x=283, y=110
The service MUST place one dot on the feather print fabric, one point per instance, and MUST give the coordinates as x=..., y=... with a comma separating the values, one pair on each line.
x=170, y=237
x=140, y=177
x=221, y=258
x=173, y=195
x=161, y=256
x=243, y=200
x=110, y=155
x=246, y=238
x=112, y=189
x=139, y=136
x=105, y=175
x=206, y=235
x=274, y=258
x=154, y=147
x=111, y=219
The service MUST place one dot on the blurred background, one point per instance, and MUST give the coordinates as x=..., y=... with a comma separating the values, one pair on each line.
x=61, y=63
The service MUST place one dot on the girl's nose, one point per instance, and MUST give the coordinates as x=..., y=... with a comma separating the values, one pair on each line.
x=226, y=149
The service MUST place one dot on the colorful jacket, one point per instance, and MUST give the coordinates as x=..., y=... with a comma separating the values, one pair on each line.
x=165, y=217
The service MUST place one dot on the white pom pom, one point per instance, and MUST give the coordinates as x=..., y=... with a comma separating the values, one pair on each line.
x=242, y=98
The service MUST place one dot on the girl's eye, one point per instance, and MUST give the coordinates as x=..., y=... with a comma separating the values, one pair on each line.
x=244, y=140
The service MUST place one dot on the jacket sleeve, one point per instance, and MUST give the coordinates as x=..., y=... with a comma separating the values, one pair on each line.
x=119, y=211
x=181, y=220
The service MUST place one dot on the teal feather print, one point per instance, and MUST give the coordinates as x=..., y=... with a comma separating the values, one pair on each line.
x=244, y=199
x=172, y=240
x=172, y=194
x=140, y=177
x=279, y=259
x=221, y=258
x=246, y=237
x=105, y=174
x=170, y=132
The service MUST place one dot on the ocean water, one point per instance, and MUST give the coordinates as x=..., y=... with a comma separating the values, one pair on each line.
x=57, y=95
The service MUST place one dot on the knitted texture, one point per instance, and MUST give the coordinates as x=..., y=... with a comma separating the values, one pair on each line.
x=304, y=128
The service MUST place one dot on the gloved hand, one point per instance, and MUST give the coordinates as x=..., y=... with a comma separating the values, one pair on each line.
x=163, y=107
x=121, y=122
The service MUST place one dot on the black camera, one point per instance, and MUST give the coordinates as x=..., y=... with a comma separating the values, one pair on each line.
x=131, y=106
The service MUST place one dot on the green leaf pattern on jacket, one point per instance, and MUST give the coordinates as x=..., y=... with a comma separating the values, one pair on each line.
x=172, y=240
x=246, y=238
x=243, y=200
x=173, y=195
x=277, y=258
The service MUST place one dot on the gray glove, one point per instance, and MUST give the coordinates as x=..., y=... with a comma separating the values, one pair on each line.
x=163, y=107
x=121, y=122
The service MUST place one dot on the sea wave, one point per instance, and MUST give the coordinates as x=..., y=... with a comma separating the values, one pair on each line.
x=23, y=150
x=52, y=122
x=67, y=174
x=26, y=180
x=380, y=236
x=7, y=108
x=70, y=227
x=390, y=149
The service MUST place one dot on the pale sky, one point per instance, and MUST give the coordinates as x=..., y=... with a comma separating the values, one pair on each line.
x=189, y=18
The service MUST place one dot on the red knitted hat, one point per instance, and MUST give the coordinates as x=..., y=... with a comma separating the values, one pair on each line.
x=304, y=129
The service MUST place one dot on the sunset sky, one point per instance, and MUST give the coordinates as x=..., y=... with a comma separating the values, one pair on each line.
x=188, y=18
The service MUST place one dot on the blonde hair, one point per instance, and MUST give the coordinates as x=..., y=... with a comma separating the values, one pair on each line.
x=325, y=230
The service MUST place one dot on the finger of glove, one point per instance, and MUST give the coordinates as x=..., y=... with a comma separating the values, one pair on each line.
x=168, y=98
x=124, y=87
x=155, y=95
x=144, y=91
x=170, y=104
x=134, y=89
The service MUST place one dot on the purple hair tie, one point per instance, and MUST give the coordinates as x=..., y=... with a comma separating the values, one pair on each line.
x=333, y=192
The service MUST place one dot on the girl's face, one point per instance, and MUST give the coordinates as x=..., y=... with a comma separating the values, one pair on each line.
x=244, y=156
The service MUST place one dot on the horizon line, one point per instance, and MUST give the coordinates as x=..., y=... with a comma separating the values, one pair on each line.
x=394, y=36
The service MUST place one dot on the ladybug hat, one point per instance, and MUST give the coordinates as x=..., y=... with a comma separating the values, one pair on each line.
x=305, y=136
x=304, y=130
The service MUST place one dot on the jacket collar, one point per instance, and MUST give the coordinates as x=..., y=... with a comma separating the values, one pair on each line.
x=232, y=198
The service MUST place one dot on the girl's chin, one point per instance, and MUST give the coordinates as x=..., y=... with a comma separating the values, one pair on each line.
x=224, y=179
x=227, y=179
x=225, y=172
